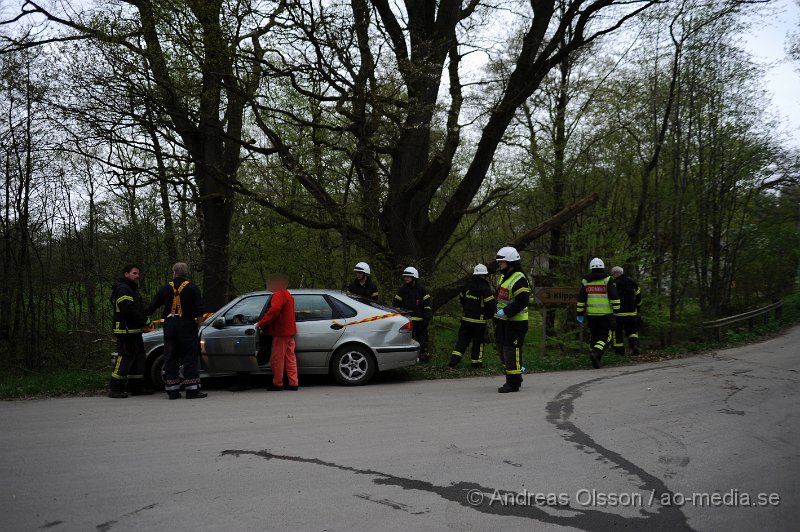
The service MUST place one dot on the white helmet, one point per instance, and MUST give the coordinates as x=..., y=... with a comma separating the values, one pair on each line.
x=480, y=269
x=412, y=271
x=597, y=264
x=362, y=267
x=508, y=254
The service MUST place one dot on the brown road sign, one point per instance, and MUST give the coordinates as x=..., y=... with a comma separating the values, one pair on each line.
x=556, y=295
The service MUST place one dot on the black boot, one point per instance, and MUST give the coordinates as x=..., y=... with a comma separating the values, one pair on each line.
x=595, y=355
x=512, y=384
x=136, y=387
x=454, y=361
x=195, y=394
x=477, y=365
x=116, y=389
x=174, y=395
x=635, y=348
x=507, y=388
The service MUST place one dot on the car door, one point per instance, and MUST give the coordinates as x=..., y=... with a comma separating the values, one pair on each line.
x=315, y=337
x=230, y=342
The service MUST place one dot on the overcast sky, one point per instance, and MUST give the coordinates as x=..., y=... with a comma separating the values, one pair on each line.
x=768, y=45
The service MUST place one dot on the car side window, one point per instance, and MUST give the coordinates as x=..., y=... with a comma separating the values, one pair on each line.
x=247, y=311
x=312, y=307
x=341, y=310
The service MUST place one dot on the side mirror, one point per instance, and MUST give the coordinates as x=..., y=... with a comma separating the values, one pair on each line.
x=219, y=323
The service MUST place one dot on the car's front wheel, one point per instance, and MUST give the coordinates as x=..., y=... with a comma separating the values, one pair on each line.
x=156, y=369
x=353, y=365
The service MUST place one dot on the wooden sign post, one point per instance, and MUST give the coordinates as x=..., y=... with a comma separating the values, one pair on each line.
x=553, y=295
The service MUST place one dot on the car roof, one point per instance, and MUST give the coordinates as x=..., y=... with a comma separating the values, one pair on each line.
x=297, y=291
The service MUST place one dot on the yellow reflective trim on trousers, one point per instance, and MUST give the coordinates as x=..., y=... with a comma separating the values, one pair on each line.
x=473, y=320
x=517, y=371
x=480, y=353
x=621, y=314
x=115, y=373
x=416, y=319
x=127, y=331
x=634, y=335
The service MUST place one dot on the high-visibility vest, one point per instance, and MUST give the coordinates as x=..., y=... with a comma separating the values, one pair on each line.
x=597, y=303
x=176, y=298
x=506, y=294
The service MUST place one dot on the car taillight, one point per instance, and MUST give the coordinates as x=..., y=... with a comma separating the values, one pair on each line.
x=406, y=328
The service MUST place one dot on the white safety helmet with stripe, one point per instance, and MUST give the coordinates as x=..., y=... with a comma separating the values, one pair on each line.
x=508, y=254
x=412, y=271
x=597, y=264
x=480, y=269
x=362, y=267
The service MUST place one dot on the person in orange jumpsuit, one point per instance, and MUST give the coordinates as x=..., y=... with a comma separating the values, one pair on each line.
x=279, y=323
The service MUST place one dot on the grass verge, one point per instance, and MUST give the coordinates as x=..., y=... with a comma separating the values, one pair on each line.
x=73, y=382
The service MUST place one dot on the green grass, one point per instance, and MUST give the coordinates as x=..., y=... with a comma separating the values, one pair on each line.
x=73, y=382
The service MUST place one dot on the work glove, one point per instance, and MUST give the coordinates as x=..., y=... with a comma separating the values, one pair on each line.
x=148, y=326
x=500, y=314
x=580, y=319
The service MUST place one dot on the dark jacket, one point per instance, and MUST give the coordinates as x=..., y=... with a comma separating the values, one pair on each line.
x=129, y=314
x=610, y=290
x=190, y=298
x=630, y=297
x=477, y=300
x=369, y=289
x=279, y=319
x=416, y=299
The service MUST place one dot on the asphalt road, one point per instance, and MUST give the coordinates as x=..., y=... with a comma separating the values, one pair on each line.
x=588, y=450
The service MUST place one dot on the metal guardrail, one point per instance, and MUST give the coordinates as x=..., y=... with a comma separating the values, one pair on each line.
x=749, y=316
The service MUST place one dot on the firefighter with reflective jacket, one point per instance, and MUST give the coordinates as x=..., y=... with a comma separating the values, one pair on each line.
x=363, y=285
x=511, y=320
x=599, y=301
x=130, y=321
x=630, y=301
x=182, y=311
x=477, y=300
x=415, y=298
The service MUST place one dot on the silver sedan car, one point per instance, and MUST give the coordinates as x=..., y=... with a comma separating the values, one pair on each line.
x=337, y=333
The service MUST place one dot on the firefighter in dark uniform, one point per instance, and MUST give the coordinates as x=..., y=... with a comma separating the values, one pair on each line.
x=363, y=285
x=630, y=302
x=415, y=298
x=130, y=321
x=599, y=301
x=477, y=301
x=511, y=319
x=182, y=305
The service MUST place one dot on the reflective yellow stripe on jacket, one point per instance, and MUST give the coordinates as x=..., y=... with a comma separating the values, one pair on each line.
x=117, y=328
x=506, y=291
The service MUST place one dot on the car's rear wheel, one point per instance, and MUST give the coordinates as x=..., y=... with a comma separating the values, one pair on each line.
x=353, y=365
x=156, y=369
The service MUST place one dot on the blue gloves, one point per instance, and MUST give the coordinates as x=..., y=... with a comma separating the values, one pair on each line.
x=580, y=319
x=500, y=314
